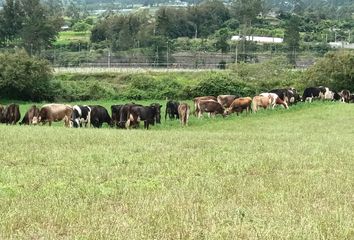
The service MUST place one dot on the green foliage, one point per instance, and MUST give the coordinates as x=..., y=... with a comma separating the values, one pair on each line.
x=217, y=83
x=26, y=78
x=30, y=23
x=292, y=37
x=335, y=70
x=81, y=27
x=276, y=73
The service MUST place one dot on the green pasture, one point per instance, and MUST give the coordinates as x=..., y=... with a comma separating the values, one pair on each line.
x=282, y=174
x=67, y=37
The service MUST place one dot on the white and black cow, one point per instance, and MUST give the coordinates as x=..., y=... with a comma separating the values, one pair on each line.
x=314, y=92
x=81, y=115
x=288, y=95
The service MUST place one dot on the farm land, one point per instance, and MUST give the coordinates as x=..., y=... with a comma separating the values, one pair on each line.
x=284, y=174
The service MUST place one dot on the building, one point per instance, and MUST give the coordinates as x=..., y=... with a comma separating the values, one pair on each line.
x=258, y=39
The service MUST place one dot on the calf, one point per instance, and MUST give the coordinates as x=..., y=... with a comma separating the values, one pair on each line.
x=171, y=109
x=99, y=115
x=31, y=116
x=54, y=113
x=183, y=112
x=80, y=115
x=239, y=104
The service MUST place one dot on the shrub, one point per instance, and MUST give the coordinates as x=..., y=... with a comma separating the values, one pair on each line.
x=26, y=78
x=221, y=83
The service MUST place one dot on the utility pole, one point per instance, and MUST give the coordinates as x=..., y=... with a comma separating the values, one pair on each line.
x=167, y=56
x=109, y=58
x=236, y=54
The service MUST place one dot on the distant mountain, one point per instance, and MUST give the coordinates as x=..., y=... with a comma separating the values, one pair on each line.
x=280, y=4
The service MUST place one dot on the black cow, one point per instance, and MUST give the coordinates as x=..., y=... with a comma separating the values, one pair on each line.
x=11, y=114
x=115, y=109
x=31, y=116
x=123, y=114
x=313, y=92
x=144, y=113
x=81, y=114
x=172, y=109
x=158, y=112
x=99, y=115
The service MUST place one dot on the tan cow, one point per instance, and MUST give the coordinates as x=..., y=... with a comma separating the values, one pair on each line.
x=183, y=112
x=226, y=100
x=55, y=113
x=238, y=105
x=260, y=101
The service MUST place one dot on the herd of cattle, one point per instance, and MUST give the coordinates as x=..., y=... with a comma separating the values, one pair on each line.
x=130, y=115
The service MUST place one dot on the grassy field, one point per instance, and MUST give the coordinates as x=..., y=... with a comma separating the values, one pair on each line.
x=271, y=175
x=71, y=36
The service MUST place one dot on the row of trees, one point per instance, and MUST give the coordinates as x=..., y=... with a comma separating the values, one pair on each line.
x=29, y=24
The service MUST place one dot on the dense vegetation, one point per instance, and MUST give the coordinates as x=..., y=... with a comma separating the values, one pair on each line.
x=28, y=78
x=156, y=32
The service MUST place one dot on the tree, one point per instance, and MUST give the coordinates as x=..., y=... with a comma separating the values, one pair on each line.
x=335, y=70
x=246, y=10
x=292, y=37
x=39, y=29
x=221, y=44
x=11, y=19
x=30, y=23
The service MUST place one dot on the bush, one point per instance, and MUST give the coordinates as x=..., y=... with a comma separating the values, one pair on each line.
x=221, y=83
x=335, y=70
x=26, y=78
x=81, y=27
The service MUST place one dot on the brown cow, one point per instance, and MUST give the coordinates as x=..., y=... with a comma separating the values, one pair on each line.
x=11, y=114
x=239, y=104
x=183, y=112
x=209, y=106
x=54, y=113
x=260, y=101
x=31, y=116
x=226, y=100
x=197, y=99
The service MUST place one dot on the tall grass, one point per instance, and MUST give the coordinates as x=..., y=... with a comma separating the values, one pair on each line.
x=271, y=175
